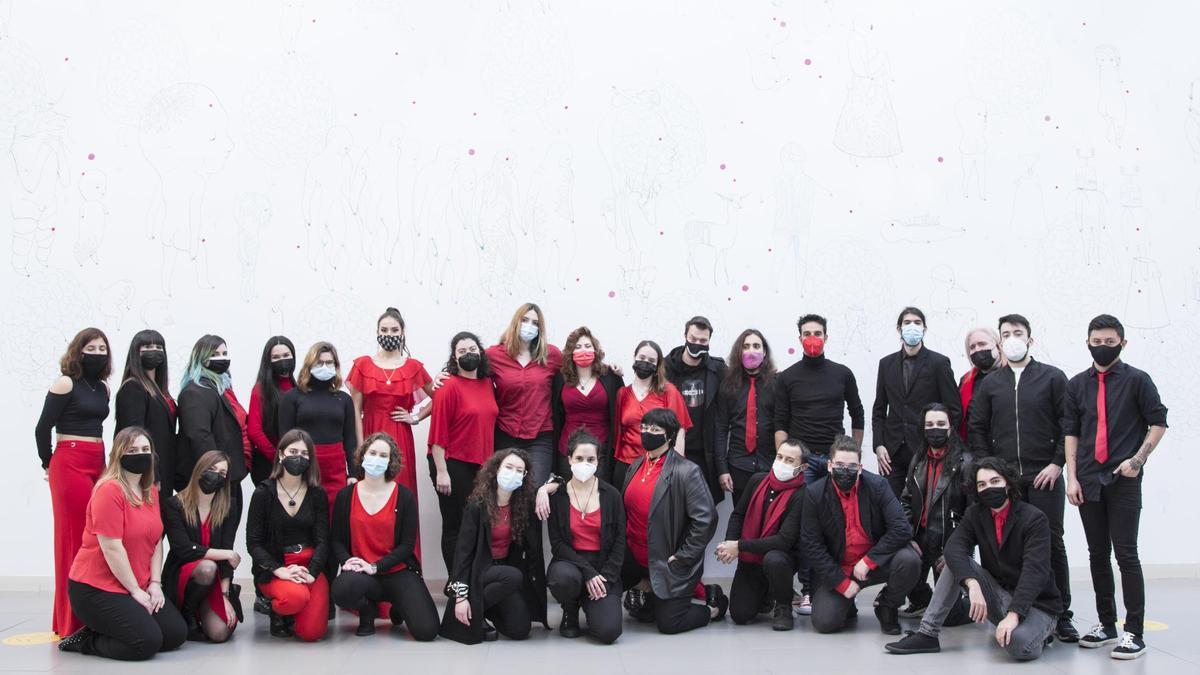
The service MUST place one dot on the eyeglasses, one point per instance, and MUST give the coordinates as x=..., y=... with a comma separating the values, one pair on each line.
x=850, y=467
x=653, y=429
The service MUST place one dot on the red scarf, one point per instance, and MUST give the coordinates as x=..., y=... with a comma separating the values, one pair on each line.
x=933, y=471
x=758, y=524
x=966, y=390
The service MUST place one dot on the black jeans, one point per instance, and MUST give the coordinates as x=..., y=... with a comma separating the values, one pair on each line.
x=1053, y=503
x=124, y=630
x=831, y=610
x=569, y=588
x=542, y=453
x=740, y=478
x=405, y=590
x=503, y=602
x=462, y=481
x=753, y=583
x=618, y=477
x=1111, y=524
x=671, y=615
x=899, y=474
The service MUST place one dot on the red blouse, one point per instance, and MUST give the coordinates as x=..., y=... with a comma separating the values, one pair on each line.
x=263, y=442
x=585, y=410
x=373, y=536
x=463, y=419
x=523, y=392
x=585, y=529
x=638, y=496
x=629, y=445
x=501, y=534
x=109, y=514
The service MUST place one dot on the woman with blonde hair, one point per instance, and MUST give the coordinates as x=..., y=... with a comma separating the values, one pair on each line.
x=115, y=585
x=319, y=406
x=982, y=346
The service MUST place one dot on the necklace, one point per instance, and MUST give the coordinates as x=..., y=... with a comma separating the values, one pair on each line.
x=89, y=384
x=582, y=386
x=583, y=508
x=650, y=465
x=291, y=495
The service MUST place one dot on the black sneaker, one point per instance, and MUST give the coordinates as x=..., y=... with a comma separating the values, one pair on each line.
x=714, y=596
x=1100, y=636
x=366, y=620
x=279, y=626
x=75, y=641
x=1065, y=630
x=569, y=628
x=781, y=617
x=1131, y=647
x=914, y=609
x=889, y=622
x=914, y=643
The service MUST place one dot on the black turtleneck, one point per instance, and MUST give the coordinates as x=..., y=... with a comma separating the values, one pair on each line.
x=811, y=400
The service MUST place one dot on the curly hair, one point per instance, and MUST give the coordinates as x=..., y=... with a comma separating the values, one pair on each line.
x=393, y=466
x=569, y=370
x=1006, y=470
x=521, y=501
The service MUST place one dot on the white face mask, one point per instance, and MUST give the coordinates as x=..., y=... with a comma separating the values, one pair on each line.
x=1015, y=349
x=323, y=373
x=784, y=472
x=583, y=471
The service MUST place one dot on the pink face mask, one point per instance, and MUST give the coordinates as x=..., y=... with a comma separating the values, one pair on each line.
x=583, y=359
x=752, y=360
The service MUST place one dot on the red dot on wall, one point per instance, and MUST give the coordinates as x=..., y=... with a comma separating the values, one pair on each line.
x=91, y=155
x=745, y=288
x=1046, y=118
x=808, y=62
x=54, y=229
x=941, y=159
x=470, y=151
x=791, y=350
x=612, y=294
x=722, y=166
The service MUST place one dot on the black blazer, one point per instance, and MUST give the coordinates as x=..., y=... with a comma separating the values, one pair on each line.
x=788, y=536
x=186, y=547
x=404, y=539
x=207, y=422
x=612, y=533
x=896, y=415
x=264, y=530
x=1021, y=564
x=681, y=522
x=612, y=384
x=1036, y=439
x=823, y=533
x=473, y=556
x=137, y=407
x=948, y=502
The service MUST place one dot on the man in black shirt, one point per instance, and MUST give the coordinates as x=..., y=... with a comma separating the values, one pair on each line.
x=812, y=396
x=1016, y=415
x=697, y=375
x=909, y=380
x=1113, y=421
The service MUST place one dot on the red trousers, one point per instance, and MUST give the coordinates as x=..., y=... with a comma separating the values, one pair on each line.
x=74, y=468
x=308, y=603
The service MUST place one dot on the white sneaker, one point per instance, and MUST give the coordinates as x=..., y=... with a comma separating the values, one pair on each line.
x=802, y=605
x=1130, y=648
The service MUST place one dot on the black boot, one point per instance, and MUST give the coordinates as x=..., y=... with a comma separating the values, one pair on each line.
x=889, y=619
x=77, y=642
x=262, y=605
x=279, y=626
x=366, y=619
x=193, y=595
x=569, y=628
x=781, y=617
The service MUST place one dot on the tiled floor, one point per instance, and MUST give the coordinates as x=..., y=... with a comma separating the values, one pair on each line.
x=721, y=648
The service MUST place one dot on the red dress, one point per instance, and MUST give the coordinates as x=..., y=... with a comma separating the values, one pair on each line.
x=216, y=599
x=379, y=398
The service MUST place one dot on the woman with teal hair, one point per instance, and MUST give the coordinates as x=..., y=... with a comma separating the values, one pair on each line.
x=210, y=416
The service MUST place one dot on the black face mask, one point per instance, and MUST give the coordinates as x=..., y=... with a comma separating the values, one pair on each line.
x=696, y=350
x=652, y=442
x=283, y=367
x=644, y=369
x=1104, y=355
x=218, y=366
x=469, y=362
x=139, y=463
x=211, y=481
x=844, y=478
x=390, y=343
x=937, y=438
x=152, y=359
x=93, y=365
x=993, y=497
x=983, y=359
x=295, y=464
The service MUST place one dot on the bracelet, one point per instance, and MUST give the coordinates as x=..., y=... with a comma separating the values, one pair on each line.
x=555, y=479
x=458, y=589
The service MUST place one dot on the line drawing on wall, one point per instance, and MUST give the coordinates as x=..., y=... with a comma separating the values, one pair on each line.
x=1111, y=100
x=795, y=200
x=1090, y=207
x=92, y=222
x=252, y=213
x=867, y=127
x=972, y=117
x=712, y=239
x=1028, y=215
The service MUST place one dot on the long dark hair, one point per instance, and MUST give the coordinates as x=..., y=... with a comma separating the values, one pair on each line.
x=736, y=376
x=569, y=370
x=658, y=381
x=71, y=363
x=484, y=369
x=312, y=477
x=1006, y=470
x=133, y=363
x=268, y=385
x=393, y=313
x=520, y=503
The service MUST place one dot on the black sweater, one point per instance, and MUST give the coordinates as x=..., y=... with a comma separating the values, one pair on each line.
x=612, y=533
x=185, y=543
x=328, y=416
x=1021, y=565
x=788, y=536
x=265, y=525
x=823, y=533
x=812, y=397
x=137, y=407
x=80, y=412
x=404, y=538
x=1020, y=422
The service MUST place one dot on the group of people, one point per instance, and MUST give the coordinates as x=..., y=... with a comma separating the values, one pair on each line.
x=625, y=476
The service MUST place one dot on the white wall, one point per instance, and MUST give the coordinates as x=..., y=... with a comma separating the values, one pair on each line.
x=258, y=168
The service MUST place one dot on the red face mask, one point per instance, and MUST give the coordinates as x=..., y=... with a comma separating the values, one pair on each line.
x=583, y=359
x=813, y=345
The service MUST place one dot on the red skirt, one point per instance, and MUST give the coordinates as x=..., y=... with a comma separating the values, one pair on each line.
x=215, y=599
x=75, y=467
x=331, y=458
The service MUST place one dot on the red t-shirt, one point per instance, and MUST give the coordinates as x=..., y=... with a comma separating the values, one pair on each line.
x=631, y=410
x=373, y=536
x=585, y=529
x=858, y=542
x=501, y=533
x=585, y=410
x=523, y=392
x=109, y=514
x=638, y=496
x=463, y=419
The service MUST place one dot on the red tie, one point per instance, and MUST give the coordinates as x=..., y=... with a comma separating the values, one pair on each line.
x=1101, y=422
x=751, y=420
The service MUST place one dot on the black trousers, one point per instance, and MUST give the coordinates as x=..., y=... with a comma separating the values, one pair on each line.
x=1053, y=503
x=740, y=478
x=502, y=601
x=831, y=610
x=753, y=583
x=618, y=477
x=899, y=474
x=542, y=453
x=462, y=481
x=405, y=590
x=1111, y=524
x=569, y=588
x=124, y=630
x=671, y=615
